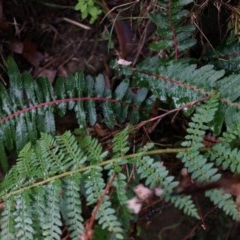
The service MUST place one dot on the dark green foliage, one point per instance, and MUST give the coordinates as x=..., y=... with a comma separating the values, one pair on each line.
x=107, y=218
x=56, y=177
x=44, y=188
x=29, y=107
x=197, y=163
x=226, y=153
x=169, y=82
x=155, y=175
x=71, y=206
x=175, y=32
x=226, y=56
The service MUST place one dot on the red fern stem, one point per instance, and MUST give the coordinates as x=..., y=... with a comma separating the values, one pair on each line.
x=173, y=29
x=56, y=102
x=176, y=82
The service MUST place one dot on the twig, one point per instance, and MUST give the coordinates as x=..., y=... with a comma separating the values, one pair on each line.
x=76, y=23
x=89, y=226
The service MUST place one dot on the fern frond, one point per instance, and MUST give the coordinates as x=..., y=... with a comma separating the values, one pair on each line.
x=155, y=174
x=193, y=160
x=52, y=152
x=120, y=183
x=94, y=184
x=184, y=203
x=71, y=206
x=7, y=221
x=53, y=196
x=38, y=204
x=169, y=80
x=226, y=57
x=93, y=149
x=120, y=142
x=120, y=148
x=51, y=228
x=23, y=120
x=196, y=162
x=107, y=218
x=73, y=155
x=225, y=153
x=225, y=202
x=23, y=225
x=176, y=33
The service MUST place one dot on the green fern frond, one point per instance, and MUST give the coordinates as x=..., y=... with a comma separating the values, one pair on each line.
x=72, y=206
x=226, y=57
x=73, y=155
x=7, y=221
x=93, y=149
x=38, y=204
x=120, y=183
x=23, y=223
x=94, y=184
x=184, y=203
x=169, y=82
x=51, y=229
x=196, y=162
x=224, y=201
x=120, y=142
x=156, y=175
x=53, y=196
x=225, y=153
x=107, y=218
x=30, y=107
x=175, y=32
x=193, y=159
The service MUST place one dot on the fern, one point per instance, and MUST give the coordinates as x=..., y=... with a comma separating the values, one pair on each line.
x=71, y=206
x=225, y=153
x=226, y=57
x=51, y=229
x=49, y=194
x=34, y=106
x=55, y=177
x=107, y=218
x=172, y=27
x=157, y=175
x=225, y=202
x=197, y=162
x=7, y=225
x=169, y=82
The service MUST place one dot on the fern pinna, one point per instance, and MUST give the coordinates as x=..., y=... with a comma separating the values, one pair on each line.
x=45, y=189
x=173, y=28
x=197, y=162
x=29, y=106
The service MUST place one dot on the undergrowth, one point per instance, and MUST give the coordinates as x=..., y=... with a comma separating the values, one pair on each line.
x=58, y=176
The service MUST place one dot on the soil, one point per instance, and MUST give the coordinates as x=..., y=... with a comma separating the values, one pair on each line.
x=44, y=38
